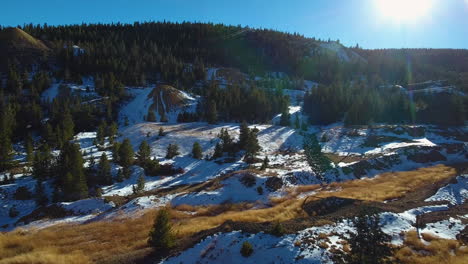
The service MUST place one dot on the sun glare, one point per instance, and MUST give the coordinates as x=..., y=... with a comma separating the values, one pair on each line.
x=403, y=11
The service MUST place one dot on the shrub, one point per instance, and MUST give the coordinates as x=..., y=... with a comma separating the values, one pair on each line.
x=260, y=190
x=246, y=249
x=277, y=230
x=13, y=212
x=274, y=183
x=22, y=193
x=172, y=151
x=248, y=180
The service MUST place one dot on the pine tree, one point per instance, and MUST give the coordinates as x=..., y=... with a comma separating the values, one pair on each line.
x=115, y=152
x=67, y=125
x=369, y=245
x=29, y=145
x=197, y=151
x=318, y=162
x=297, y=123
x=244, y=135
x=104, y=170
x=112, y=132
x=304, y=126
x=252, y=147
x=140, y=186
x=144, y=153
x=120, y=176
x=285, y=118
x=39, y=194
x=218, y=151
x=265, y=163
x=161, y=132
x=161, y=235
x=226, y=140
x=6, y=152
x=73, y=177
x=126, y=154
x=151, y=116
x=101, y=133
x=42, y=163
x=212, y=113
x=172, y=151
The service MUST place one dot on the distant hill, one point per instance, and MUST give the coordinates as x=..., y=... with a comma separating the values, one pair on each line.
x=17, y=45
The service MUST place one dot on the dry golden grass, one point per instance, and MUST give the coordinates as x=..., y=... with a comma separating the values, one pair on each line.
x=100, y=240
x=436, y=252
x=389, y=185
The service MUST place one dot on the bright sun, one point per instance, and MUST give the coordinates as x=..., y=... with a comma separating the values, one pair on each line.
x=404, y=11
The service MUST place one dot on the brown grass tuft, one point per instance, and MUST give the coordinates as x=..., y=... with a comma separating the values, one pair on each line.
x=436, y=252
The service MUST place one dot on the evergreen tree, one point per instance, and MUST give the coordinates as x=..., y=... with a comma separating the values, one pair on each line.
x=164, y=117
x=140, y=186
x=252, y=147
x=39, y=194
x=227, y=141
x=43, y=163
x=144, y=153
x=120, y=176
x=285, y=118
x=161, y=235
x=161, y=132
x=318, y=162
x=212, y=113
x=218, y=151
x=126, y=154
x=73, y=177
x=369, y=245
x=172, y=151
x=6, y=152
x=265, y=163
x=244, y=135
x=29, y=145
x=101, y=133
x=297, y=123
x=115, y=152
x=104, y=170
x=112, y=132
x=197, y=151
x=67, y=125
x=151, y=116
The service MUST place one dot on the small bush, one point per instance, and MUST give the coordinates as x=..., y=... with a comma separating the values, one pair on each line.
x=274, y=183
x=22, y=193
x=246, y=249
x=260, y=190
x=278, y=229
x=13, y=212
x=248, y=180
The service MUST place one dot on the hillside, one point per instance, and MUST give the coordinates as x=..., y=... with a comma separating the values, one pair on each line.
x=246, y=146
x=15, y=44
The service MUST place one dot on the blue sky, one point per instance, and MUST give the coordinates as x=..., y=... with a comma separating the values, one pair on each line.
x=445, y=25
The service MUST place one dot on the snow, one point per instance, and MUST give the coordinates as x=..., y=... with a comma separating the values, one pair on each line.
x=88, y=206
x=87, y=82
x=138, y=107
x=424, y=142
x=24, y=207
x=447, y=229
x=455, y=193
x=232, y=191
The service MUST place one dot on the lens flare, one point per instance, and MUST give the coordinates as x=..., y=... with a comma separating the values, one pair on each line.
x=404, y=11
